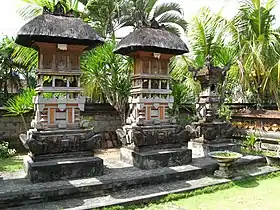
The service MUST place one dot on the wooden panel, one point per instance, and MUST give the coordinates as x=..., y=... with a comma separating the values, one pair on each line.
x=161, y=113
x=52, y=115
x=72, y=105
x=148, y=113
x=70, y=116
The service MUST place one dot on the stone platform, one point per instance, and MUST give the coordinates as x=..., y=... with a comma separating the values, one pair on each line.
x=118, y=176
x=62, y=169
x=156, y=158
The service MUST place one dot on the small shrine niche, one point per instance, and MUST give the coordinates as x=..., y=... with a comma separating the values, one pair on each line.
x=150, y=87
x=59, y=99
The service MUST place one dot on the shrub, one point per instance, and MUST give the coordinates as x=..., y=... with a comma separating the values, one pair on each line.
x=5, y=152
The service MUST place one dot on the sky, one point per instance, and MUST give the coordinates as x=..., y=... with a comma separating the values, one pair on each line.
x=11, y=21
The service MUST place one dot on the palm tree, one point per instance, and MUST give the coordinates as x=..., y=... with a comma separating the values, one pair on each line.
x=259, y=47
x=8, y=67
x=111, y=73
x=106, y=16
x=141, y=12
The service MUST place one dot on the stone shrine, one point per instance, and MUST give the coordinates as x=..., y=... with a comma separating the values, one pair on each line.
x=60, y=146
x=151, y=138
x=211, y=133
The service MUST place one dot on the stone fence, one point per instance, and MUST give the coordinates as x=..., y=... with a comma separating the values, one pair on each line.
x=264, y=124
x=103, y=117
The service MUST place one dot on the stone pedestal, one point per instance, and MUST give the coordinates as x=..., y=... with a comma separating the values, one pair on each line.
x=157, y=158
x=62, y=169
x=155, y=146
x=60, y=155
x=212, y=136
x=200, y=149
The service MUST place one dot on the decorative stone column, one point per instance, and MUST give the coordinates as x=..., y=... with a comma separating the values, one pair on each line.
x=60, y=146
x=212, y=134
x=151, y=138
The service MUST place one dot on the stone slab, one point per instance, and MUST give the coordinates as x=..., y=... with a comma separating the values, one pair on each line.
x=62, y=169
x=200, y=149
x=146, y=194
x=156, y=158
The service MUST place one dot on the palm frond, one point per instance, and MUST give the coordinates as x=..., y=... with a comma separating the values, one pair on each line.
x=168, y=7
x=175, y=19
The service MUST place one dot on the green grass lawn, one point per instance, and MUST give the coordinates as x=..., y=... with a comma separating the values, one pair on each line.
x=11, y=164
x=249, y=195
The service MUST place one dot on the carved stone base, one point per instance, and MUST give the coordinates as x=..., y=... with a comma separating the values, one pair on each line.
x=61, y=155
x=62, y=169
x=156, y=158
x=200, y=149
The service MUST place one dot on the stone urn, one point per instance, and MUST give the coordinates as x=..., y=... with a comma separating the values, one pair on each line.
x=224, y=159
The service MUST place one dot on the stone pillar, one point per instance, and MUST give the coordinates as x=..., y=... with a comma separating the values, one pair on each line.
x=212, y=134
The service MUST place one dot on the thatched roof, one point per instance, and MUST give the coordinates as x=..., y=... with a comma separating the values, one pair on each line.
x=61, y=29
x=152, y=40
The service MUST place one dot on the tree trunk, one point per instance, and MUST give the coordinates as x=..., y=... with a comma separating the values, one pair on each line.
x=24, y=122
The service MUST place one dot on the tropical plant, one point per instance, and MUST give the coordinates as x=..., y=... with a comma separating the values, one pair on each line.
x=184, y=87
x=183, y=98
x=208, y=35
x=111, y=73
x=9, y=68
x=5, y=151
x=259, y=49
x=250, y=141
x=143, y=11
x=20, y=105
x=106, y=17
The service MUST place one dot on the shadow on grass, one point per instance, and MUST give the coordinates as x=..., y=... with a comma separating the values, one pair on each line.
x=249, y=183
x=11, y=164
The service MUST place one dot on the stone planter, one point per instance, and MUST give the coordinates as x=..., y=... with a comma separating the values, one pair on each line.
x=224, y=159
x=272, y=160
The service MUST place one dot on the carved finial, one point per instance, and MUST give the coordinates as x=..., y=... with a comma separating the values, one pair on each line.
x=46, y=10
x=71, y=13
x=154, y=23
x=58, y=9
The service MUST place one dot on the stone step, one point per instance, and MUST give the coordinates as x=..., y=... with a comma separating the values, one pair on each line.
x=19, y=192
x=146, y=194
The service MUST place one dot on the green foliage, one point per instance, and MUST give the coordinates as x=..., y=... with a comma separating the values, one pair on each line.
x=259, y=49
x=109, y=73
x=5, y=152
x=250, y=141
x=106, y=16
x=20, y=105
x=225, y=112
x=142, y=11
x=11, y=164
x=8, y=67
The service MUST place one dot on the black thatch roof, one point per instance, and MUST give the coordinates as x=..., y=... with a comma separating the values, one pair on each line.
x=152, y=40
x=58, y=28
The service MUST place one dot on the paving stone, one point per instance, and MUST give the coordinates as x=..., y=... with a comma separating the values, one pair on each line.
x=145, y=194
